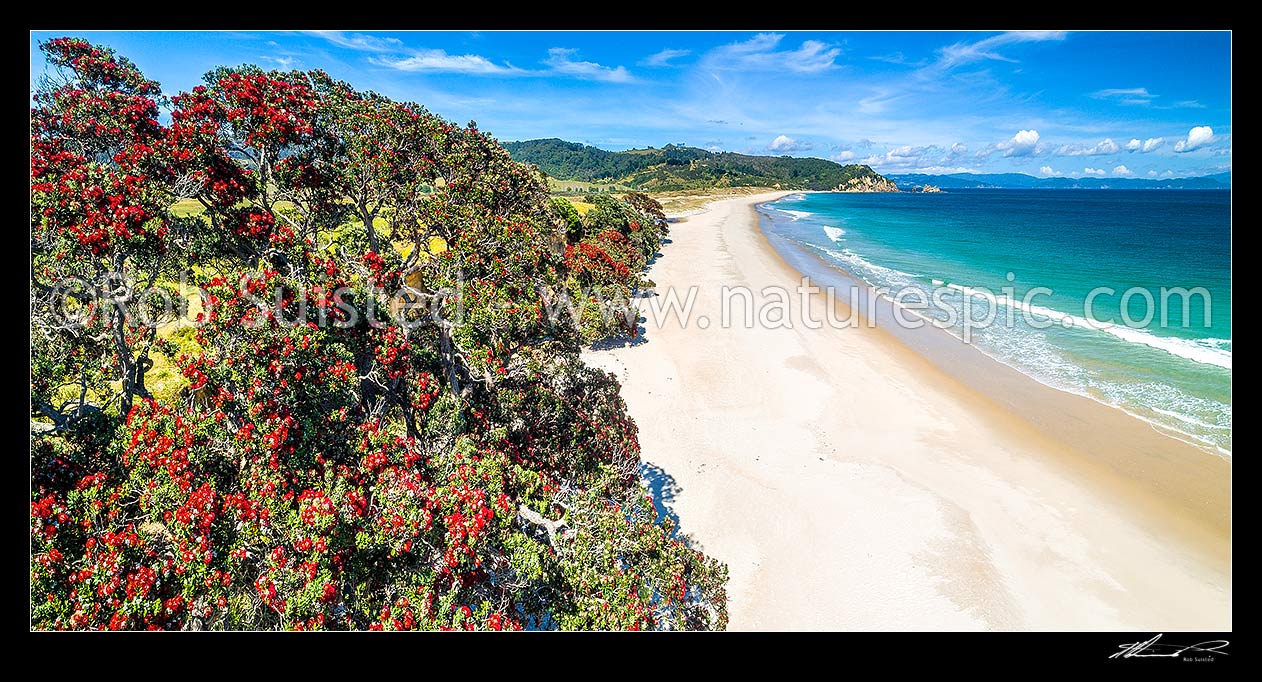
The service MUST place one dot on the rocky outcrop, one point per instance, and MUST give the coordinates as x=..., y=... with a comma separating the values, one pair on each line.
x=867, y=183
x=929, y=189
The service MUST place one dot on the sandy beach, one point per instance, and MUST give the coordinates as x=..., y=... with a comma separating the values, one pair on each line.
x=851, y=484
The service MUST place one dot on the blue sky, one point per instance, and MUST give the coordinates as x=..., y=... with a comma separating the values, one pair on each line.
x=1109, y=104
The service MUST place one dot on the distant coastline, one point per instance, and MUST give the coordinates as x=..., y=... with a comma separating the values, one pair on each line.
x=1219, y=181
x=575, y=167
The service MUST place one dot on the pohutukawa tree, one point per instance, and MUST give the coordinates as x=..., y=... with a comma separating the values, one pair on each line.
x=375, y=421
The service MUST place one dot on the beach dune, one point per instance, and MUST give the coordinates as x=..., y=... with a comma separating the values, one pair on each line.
x=851, y=484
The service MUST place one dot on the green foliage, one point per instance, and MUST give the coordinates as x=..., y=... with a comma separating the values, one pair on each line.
x=574, y=161
x=568, y=217
x=610, y=213
x=336, y=451
x=606, y=255
x=678, y=168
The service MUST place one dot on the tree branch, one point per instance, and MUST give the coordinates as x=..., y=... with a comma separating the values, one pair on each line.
x=553, y=527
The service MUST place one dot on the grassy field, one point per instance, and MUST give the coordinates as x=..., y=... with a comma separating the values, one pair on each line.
x=164, y=379
x=187, y=207
x=569, y=187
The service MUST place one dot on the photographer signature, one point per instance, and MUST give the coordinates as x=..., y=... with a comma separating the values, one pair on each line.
x=1153, y=648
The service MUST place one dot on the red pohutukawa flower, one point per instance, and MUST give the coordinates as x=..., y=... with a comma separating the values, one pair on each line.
x=315, y=446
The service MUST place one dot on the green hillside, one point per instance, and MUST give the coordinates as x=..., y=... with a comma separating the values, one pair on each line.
x=675, y=167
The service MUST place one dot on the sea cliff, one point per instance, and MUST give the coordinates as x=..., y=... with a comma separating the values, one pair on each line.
x=867, y=184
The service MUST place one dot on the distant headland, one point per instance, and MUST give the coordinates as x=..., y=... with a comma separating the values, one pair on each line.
x=1023, y=181
x=676, y=167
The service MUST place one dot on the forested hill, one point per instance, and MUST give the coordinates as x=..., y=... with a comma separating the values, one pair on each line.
x=676, y=167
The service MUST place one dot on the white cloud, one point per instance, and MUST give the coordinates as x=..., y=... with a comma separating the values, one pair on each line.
x=1141, y=97
x=907, y=152
x=811, y=56
x=786, y=144
x=1047, y=170
x=1105, y=146
x=559, y=58
x=760, y=53
x=663, y=58
x=920, y=159
x=359, y=41
x=1024, y=143
x=955, y=153
x=898, y=58
x=759, y=43
x=1197, y=137
x=405, y=59
x=1098, y=172
x=1122, y=92
x=959, y=54
x=944, y=170
x=843, y=156
x=1122, y=171
x=1152, y=173
x=1168, y=174
x=877, y=103
x=285, y=63
x=440, y=61
x=1134, y=145
x=1151, y=144
x=1134, y=96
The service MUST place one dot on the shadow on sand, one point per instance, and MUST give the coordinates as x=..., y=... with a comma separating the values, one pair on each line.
x=664, y=489
x=622, y=340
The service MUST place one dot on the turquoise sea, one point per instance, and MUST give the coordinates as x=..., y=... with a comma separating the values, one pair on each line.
x=964, y=243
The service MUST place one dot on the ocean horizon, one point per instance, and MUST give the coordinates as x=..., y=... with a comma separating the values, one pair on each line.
x=973, y=243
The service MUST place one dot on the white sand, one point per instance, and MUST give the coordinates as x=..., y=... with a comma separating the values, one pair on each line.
x=850, y=485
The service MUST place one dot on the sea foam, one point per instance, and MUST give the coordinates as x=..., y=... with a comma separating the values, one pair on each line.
x=1206, y=352
x=866, y=269
x=1176, y=406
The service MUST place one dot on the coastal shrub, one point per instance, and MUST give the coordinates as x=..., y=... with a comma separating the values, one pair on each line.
x=611, y=213
x=649, y=207
x=605, y=275
x=567, y=217
x=344, y=452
